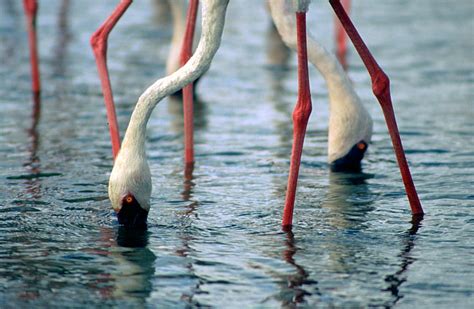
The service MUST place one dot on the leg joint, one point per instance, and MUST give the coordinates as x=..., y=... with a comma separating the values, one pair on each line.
x=98, y=41
x=380, y=83
x=301, y=113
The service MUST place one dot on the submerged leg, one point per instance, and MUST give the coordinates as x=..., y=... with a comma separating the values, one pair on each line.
x=99, y=46
x=186, y=52
x=31, y=8
x=381, y=89
x=300, y=119
x=341, y=37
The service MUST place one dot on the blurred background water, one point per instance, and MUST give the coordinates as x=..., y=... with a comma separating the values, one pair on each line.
x=216, y=241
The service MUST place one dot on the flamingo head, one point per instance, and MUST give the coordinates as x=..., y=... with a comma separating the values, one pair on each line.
x=350, y=129
x=130, y=189
x=351, y=162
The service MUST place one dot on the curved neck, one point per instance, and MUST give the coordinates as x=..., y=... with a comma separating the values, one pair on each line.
x=213, y=18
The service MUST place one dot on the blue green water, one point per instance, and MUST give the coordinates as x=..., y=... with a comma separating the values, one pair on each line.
x=216, y=241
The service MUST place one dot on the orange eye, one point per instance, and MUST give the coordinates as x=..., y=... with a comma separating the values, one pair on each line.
x=129, y=199
x=361, y=146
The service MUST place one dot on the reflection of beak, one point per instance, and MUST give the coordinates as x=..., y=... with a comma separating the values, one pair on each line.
x=132, y=237
x=132, y=215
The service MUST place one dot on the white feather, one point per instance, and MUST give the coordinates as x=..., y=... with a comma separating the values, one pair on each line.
x=349, y=121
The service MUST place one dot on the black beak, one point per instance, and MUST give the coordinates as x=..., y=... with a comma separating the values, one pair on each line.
x=132, y=215
x=351, y=161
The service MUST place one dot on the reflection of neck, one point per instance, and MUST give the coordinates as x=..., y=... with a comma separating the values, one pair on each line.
x=212, y=24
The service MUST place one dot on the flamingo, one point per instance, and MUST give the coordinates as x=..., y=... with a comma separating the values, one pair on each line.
x=350, y=125
x=130, y=180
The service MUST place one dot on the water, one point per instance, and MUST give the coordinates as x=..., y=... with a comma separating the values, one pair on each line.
x=216, y=241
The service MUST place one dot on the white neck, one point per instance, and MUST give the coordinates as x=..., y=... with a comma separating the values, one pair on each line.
x=349, y=121
x=212, y=24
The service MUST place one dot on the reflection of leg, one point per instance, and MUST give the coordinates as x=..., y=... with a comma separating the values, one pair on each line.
x=340, y=36
x=186, y=52
x=381, y=89
x=396, y=279
x=31, y=8
x=294, y=282
x=99, y=46
x=300, y=119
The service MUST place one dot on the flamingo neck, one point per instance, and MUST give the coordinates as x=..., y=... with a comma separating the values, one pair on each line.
x=337, y=81
x=212, y=24
x=349, y=121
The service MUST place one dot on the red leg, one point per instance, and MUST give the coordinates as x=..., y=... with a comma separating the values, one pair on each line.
x=381, y=89
x=300, y=119
x=31, y=8
x=186, y=53
x=99, y=46
x=341, y=37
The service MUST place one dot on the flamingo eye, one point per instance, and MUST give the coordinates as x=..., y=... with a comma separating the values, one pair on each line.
x=361, y=145
x=129, y=199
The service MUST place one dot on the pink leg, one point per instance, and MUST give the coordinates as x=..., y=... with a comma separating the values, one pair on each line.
x=341, y=38
x=186, y=52
x=99, y=46
x=300, y=119
x=31, y=8
x=381, y=89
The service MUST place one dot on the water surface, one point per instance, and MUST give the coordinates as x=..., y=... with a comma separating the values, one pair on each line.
x=216, y=241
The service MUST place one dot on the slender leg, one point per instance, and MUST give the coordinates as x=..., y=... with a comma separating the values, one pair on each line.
x=341, y=37
x=381, y=89
x=186, y=52
x=300, y=119
x=99, y=46
x=31, y=8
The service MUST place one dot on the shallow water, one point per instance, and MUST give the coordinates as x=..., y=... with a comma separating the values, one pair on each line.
x=216, y=241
